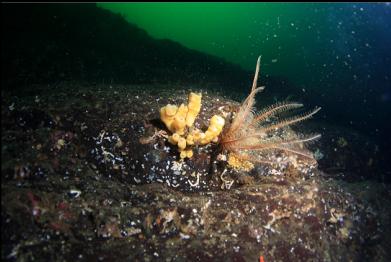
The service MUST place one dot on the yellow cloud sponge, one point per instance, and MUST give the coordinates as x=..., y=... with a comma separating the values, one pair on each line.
x=179, y=123
x=215, y=127
x=178, y=120
x=167, y=115
x=194, y=108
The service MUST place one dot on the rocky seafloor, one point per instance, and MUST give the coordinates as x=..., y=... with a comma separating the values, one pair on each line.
x=86, y=177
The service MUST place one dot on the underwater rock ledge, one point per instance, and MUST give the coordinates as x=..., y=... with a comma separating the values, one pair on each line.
x=78, y=184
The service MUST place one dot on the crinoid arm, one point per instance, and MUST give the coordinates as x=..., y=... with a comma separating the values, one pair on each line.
x=292, y=146
x=264, y=145
x=290, y=121
x=274, y=109
x=246, y=111
x=262, y=153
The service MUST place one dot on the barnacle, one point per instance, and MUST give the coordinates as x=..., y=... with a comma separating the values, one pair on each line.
x=180, y=121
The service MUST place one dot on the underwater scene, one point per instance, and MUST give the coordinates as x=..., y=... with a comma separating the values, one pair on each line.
x=196, y=132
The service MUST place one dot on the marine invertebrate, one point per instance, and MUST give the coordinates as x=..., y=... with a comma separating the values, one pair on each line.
x=176, y=119
x=180, y=122
x=239, y=163
x=251, y=136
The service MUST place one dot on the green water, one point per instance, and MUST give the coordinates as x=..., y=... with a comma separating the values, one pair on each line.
x=236, y=31
x=306, y=42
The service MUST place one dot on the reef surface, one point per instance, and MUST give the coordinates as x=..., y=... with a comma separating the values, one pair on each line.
x=85, y=175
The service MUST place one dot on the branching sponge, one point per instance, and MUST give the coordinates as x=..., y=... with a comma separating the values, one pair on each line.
x=180, y=120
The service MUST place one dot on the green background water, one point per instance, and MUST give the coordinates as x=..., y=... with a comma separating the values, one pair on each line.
x=236, y=31
x=309, y=43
